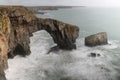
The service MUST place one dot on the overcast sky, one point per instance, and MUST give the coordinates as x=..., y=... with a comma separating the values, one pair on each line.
x=104, y=3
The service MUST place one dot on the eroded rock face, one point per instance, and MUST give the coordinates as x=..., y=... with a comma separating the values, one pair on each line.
x=17, y=19
x=4, y=36
x=64, y=35
x=96, y=39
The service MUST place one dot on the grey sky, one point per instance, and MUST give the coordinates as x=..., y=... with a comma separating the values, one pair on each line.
x=62, y=2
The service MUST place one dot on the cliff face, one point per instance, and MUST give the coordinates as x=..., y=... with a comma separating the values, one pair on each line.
x=4, y=36
x=17, y=25
x=14, y=34
x=19, y=33
x=3, y=56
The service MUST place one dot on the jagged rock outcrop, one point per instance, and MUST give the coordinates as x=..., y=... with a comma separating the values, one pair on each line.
x=94, y=55
x=96, y=39
x=17, y=24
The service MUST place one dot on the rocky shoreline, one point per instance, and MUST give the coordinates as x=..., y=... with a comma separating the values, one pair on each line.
x=17, y=24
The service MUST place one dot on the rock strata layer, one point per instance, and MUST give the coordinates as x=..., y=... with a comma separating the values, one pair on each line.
x=96, y=39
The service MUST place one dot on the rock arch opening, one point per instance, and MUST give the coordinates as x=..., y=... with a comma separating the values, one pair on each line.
x=64, y=35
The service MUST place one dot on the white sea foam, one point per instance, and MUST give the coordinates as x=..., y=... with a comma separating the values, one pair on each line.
x=62, y=65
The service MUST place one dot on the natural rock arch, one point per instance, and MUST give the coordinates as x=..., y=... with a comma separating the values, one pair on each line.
x=21, y=23
x=17, y=25
x=64, y=35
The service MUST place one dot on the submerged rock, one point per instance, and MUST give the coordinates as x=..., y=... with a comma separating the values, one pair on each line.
x=96, y=39
x=53, y=49
x=94, y=55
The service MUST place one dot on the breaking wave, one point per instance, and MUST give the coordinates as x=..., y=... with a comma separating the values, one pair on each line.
x=63, y=65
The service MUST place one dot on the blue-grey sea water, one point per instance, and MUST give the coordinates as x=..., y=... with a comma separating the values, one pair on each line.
x=75, y=64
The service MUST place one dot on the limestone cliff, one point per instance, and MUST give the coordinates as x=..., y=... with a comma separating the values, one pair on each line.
x=17, y=24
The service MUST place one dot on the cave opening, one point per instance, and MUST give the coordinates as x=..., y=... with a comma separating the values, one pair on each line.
x=19, y=50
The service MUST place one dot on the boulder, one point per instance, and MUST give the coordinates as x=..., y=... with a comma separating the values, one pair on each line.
x=96, y=39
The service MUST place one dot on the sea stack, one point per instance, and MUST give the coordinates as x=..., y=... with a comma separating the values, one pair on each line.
x=96, y=39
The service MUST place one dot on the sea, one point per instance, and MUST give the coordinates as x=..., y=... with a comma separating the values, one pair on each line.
x=75, y=64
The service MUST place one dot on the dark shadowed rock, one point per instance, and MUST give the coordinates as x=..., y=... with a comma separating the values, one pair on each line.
x=2, y=74
x=53, y=49
x=94, y=55
x=96, y=39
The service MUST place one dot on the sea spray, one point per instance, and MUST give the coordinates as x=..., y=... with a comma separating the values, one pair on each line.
x=62, y=65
